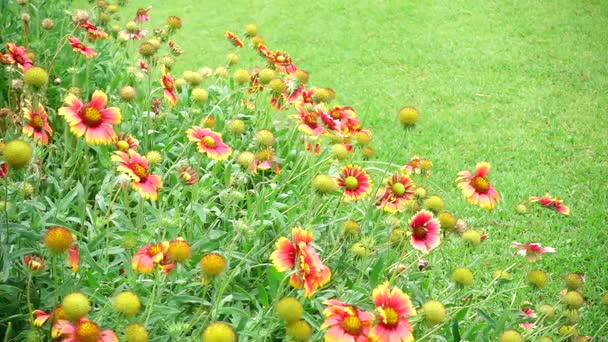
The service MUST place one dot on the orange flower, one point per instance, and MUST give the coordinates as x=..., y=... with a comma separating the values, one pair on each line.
x=83, y=330
x=308, y=120
x=393, y=307
x=93, y=31
x=37, y=125
x=310, y=272
x=168, y=86
x=398, y=191
x=476, y=188
x=92, y=119
x=16, y=55
x=77, y=46
x=356, y=182
x=234, y=39
x=147, y=256
x=136, y=167
x=209, y=142
x=551, y=202
x=73, y=259
x=346, y=323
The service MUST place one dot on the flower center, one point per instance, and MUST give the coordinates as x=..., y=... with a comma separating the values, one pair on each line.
x=419, y=232
x=335, y=114
x=392, y=318
x=264, y=155
x=209, y=141
x=281, y=59
x=87, y=332
x=398, y=189
x=122, y=145
x=352, y=325
x=155, y=249
x=351, y=183
x=480, y=184
x=36, y=122
x=310, y=118
x=91, y=116
x=140, y=171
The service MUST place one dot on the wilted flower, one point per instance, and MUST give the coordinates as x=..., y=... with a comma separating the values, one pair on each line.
x=234, y=39
x=168, y=87
x=77, y=46
x=532, y=250
x=551, y=202
x=34, y=262
x=188, y=175
x=528, y=314
x=142, y=14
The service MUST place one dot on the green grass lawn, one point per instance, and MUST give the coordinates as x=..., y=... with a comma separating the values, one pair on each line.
x=519, y=84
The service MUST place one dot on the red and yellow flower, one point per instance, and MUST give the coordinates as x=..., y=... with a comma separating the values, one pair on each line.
x=297, y=254
x=92, y=119
x=136, y=166
x=356, y=182
x=17, y=55
x=398, y=191
x=73, y=258
x=344, y=119
x=346, y=323
x=209, y=142
x=149, y=255
x=234, y=39
x=168, y=86
x=93, y=32
x=77, y=46
x=308, y=120
x=40, y=317
x=84, y=330
x=393, y=307
x=551, y=202
x=477, y=188
x=425, y=231
x=37, y=125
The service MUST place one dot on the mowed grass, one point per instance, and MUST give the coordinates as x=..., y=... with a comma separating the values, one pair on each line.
x=522, y=85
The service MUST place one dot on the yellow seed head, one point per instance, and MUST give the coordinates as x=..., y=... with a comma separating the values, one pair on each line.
x=339, y=151
x=351, y=228
x=219, y=332
x=179, y=250
x=538, y=278
x=265, y=76
x=200, y=95
x=289, y=309
x=36, y=77
x=127, y=303
x=213, y=264
x=472, y=237
x=408, y=116
x=324, y=184
x=463, y=276
x=154, y=157
x=434, y=204
x=251, y=30
x=17, y=153
x=574, y=281
x=434, y=312
x=510, y=336
x=58, y=239
x=278, y=86
x=299, y=330
x=447, y=220
x=241, y=76
x=264, y=137
x=573, y=299
x=136, y=332
x=76, y=305
x=127, y=93
x=236, y=126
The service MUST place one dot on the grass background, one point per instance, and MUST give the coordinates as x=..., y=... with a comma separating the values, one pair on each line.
x=520, y=84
